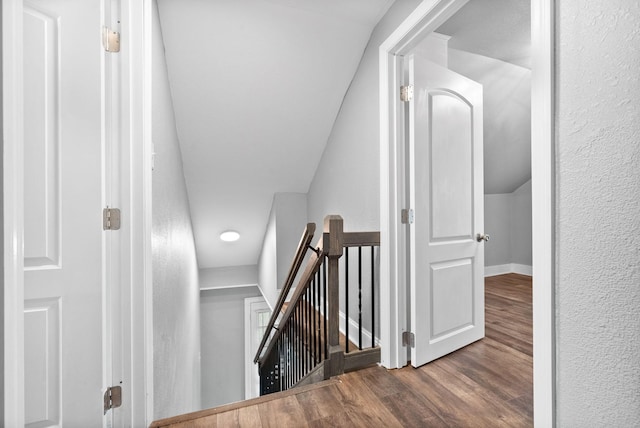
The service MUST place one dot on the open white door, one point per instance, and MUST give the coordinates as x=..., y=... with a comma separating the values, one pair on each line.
x=66, y=250
x=447, y=195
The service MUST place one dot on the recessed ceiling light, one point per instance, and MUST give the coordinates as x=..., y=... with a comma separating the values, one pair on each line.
x=229, y=236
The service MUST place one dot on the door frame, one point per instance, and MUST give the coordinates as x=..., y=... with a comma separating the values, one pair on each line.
x=393, y=250
x=134, y=248
x=252, y=305
x=13, y=210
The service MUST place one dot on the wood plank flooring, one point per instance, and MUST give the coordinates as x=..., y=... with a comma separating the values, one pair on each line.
x=486, y=384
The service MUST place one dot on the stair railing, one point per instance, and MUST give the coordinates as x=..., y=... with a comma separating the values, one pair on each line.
x=304, y=346
x=298, y=258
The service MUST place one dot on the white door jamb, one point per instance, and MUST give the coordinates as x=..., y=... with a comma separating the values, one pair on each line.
x=13, y=208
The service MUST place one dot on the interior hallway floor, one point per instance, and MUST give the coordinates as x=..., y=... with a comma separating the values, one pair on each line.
x=486, y=384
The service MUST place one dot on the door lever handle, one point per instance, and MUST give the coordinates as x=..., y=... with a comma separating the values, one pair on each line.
x=482, y=237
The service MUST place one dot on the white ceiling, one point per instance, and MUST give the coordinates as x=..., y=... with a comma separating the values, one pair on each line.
x=257, y=85
x=499, y=29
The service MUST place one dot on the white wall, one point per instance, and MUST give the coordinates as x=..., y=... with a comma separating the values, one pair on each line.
x=507, y=219
x=231, y=276
x=347, y=181
x=520, y=210
x=291, y=219
x=176, y=337
x=223, y=357
x=496, y=224
x=268, y=263
x=287, y=220
x=598, y=214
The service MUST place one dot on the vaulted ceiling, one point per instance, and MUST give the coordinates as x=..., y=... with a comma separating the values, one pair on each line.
x=257, y=85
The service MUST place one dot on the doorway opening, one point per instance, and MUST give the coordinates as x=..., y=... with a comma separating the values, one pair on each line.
x=429, y=16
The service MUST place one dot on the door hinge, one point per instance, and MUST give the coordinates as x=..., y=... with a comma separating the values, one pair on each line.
x=408, y=339
x=406, y=93
x=406, y=216
x=111, y=219
x=110, y=40
x=112, y=398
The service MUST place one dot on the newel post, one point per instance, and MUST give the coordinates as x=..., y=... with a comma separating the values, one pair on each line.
x=332, y=247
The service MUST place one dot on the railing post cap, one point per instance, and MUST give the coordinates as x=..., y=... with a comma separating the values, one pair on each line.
x=333, y=225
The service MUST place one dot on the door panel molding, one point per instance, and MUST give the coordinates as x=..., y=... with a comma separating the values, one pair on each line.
x=42, y=228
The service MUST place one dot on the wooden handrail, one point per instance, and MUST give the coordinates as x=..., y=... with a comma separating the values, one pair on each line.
x=360, y=239
x=313, y=265
x=298, y=258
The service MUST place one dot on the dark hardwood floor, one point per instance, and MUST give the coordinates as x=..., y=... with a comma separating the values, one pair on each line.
x=486, y=384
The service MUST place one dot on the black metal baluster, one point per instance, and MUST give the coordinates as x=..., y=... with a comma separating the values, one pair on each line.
x=290, y=347
x=300, y=344
x=346, y=299
x=312, y=339
x=295, y=346
x=303, y=331
x=316, y=283
x=373, y=299
x=326, y=314
x=305, y=325
x=360, y=298
x=299, y=348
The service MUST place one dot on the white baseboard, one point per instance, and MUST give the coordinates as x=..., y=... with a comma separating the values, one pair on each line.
x=508, y=268
x=353, y=332
x=522, y=269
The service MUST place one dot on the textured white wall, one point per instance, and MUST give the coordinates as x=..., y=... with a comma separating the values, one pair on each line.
x=223, y=358
x=598, y=214
x=176, y=332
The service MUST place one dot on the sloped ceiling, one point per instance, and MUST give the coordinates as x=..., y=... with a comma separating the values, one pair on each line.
x=499, y=29
x=256, y=87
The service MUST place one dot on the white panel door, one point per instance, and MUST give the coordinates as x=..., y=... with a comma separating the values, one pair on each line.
x=65, y=364
x=447, y=195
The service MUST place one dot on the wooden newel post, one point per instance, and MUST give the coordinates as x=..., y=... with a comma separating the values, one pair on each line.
x=332, y=247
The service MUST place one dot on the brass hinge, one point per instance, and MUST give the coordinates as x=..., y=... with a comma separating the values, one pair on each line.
x=110, y=40
x=406, y=216
x=112, y=398
x=408, y=339
x=406, y=93
x=111, y=219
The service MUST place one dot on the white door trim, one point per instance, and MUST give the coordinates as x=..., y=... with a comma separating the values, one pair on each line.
x=252, y=305
x=136, y=198
x=425, y=19
x=13, y=209
x=543, y=203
